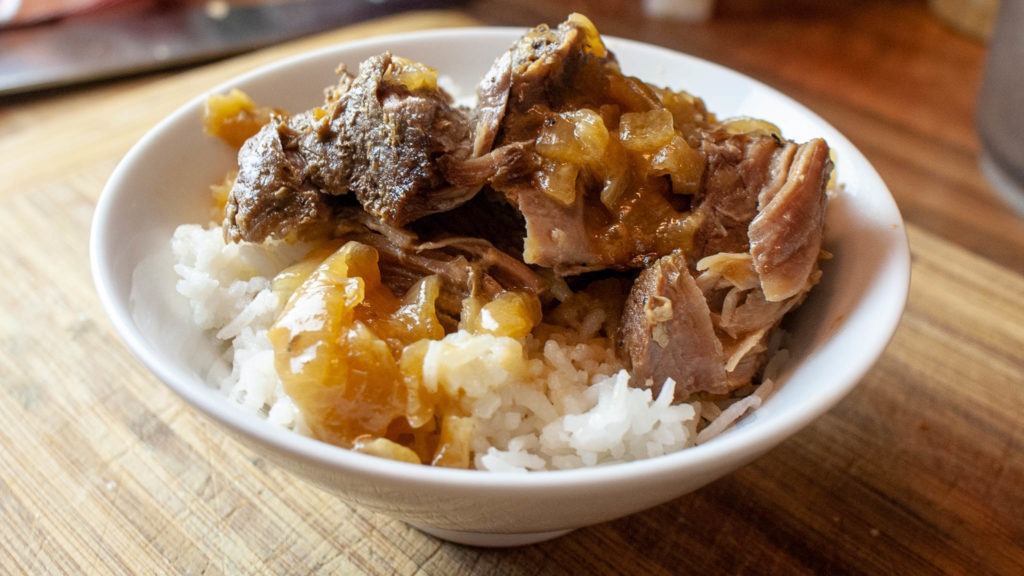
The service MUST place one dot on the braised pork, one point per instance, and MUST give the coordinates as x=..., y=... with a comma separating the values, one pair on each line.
x=611, y=163
x=739, y=166
x=277, y=192
x=786, y=235
x=396, y=123
x=755, y=256
x=667, y=331
x=467, y=266
x=567, y=170
x=766, y=196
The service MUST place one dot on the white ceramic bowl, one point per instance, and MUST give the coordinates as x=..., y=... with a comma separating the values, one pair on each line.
x=837, y=335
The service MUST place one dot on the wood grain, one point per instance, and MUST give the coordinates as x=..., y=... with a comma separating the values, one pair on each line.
x=918, y=471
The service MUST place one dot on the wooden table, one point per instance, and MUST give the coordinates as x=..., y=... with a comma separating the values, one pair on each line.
x=920, y=470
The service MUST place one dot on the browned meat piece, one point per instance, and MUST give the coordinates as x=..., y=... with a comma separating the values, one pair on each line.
x=395, y=125
x=386, y=135
x=738, y=168
x=786, y=235
x=486, y=216
x=501, y=164
x=491, y=99
x=597, y=195
x=666, y=331
x=762, y=214
x=275, y=194
x=765, y=196
x=467, y=266
x=761, y=209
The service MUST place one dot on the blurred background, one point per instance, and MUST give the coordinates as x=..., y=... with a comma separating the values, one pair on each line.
x=974, y=17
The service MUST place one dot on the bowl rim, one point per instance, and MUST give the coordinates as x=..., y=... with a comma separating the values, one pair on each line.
x=738, y=444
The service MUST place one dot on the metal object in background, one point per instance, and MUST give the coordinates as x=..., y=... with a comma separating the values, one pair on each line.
x=105, y=45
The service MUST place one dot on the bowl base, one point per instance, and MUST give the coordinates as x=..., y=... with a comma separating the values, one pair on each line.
x=491, y=539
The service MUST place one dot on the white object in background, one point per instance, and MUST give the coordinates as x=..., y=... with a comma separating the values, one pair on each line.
x=688, y=10
x=8, y=8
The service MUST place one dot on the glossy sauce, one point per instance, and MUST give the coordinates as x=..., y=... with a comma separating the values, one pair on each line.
x=350, y=354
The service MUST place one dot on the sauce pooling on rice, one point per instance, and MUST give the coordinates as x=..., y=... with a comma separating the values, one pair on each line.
x=349, y=353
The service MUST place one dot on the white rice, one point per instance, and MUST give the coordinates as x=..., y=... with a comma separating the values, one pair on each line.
x=562, y=403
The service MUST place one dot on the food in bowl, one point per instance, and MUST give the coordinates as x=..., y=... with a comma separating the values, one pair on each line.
x=582, y=268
